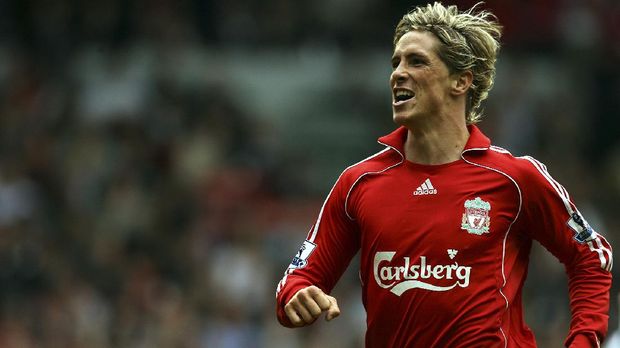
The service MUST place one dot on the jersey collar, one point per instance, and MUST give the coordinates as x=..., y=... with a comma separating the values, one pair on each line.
x=396, y=140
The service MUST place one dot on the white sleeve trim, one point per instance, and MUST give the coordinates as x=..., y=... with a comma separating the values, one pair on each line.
x=604, y=253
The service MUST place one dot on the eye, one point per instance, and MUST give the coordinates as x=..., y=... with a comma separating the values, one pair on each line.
x=416, y=61
x=395, y=63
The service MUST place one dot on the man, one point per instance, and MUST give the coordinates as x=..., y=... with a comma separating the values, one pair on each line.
x=443, y=220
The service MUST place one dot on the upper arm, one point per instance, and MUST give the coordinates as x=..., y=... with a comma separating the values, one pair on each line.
x=552, y=218
x=329, y=246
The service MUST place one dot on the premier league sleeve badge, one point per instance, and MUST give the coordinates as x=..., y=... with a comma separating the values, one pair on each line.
x=301, y=258
x=583, y=232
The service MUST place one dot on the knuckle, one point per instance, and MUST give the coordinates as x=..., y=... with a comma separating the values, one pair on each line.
x=301, y=299
x=302, y=293
x=307, y=299
x=313, y=290
x=324, y=303
x=295, y=297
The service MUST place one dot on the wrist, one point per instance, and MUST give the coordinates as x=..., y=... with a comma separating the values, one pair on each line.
x=583, y=341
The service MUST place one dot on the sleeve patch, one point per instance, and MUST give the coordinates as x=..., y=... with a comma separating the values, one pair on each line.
x=583, y=231
x=301, y=259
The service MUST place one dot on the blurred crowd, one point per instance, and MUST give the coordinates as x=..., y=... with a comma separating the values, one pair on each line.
x=161, y=161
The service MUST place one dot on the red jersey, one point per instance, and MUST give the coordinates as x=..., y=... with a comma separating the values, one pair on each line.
x=445, y=248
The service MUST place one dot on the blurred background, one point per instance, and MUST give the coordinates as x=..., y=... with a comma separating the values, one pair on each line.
x=161, y=161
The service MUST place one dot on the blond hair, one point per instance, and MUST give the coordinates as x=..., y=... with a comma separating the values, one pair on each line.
x=469, y=41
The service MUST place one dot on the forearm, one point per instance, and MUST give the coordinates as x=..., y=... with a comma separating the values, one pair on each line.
x=589, y=301
x=289, y=289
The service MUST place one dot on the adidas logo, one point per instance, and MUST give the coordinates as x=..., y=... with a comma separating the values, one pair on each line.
x=452, y=253
x=425, y=189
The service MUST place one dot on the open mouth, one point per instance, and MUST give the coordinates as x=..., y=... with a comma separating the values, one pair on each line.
x=401, y=96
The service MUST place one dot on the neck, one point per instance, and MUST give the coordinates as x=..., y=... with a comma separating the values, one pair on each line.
x=436, y=144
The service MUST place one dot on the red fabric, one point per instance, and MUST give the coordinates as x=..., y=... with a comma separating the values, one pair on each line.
x=583, y=341
x=445, y=268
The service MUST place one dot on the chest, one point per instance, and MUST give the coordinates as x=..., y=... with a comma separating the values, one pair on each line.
x=462, y=207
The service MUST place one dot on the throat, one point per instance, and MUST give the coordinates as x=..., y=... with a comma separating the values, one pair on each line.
x=435, y=147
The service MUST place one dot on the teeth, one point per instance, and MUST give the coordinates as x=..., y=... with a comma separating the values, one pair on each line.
x=402, y=93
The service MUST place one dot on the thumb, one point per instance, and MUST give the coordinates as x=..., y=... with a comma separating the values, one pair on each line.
x=333, y=311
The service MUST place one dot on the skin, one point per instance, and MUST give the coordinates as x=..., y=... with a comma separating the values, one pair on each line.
x=435, y=116
x=437, y=134
x=308, y=304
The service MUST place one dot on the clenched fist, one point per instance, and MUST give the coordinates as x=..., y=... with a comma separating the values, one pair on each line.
x=308, y=304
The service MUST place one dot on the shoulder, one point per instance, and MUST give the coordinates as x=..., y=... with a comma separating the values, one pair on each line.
x=373, y=164
x=528, y=173
x=523, y=168
x=377, y=163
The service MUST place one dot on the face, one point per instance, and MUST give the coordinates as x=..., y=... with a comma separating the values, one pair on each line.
x=420, y=80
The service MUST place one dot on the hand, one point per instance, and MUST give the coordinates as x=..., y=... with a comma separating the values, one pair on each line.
x=308, y=304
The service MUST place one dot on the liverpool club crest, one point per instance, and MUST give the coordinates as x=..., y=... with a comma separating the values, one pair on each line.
x=476, y=218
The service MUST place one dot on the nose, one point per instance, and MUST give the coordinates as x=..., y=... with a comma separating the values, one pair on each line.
x=398, y=75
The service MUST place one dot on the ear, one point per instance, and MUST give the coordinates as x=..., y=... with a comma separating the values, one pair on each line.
x=461, y=82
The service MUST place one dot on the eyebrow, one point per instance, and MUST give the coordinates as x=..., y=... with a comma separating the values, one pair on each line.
x=408, y=54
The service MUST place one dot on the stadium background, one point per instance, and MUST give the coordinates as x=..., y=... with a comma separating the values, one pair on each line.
x=161, y=161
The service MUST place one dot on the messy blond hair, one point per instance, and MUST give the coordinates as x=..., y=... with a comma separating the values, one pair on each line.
x=469, y=41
